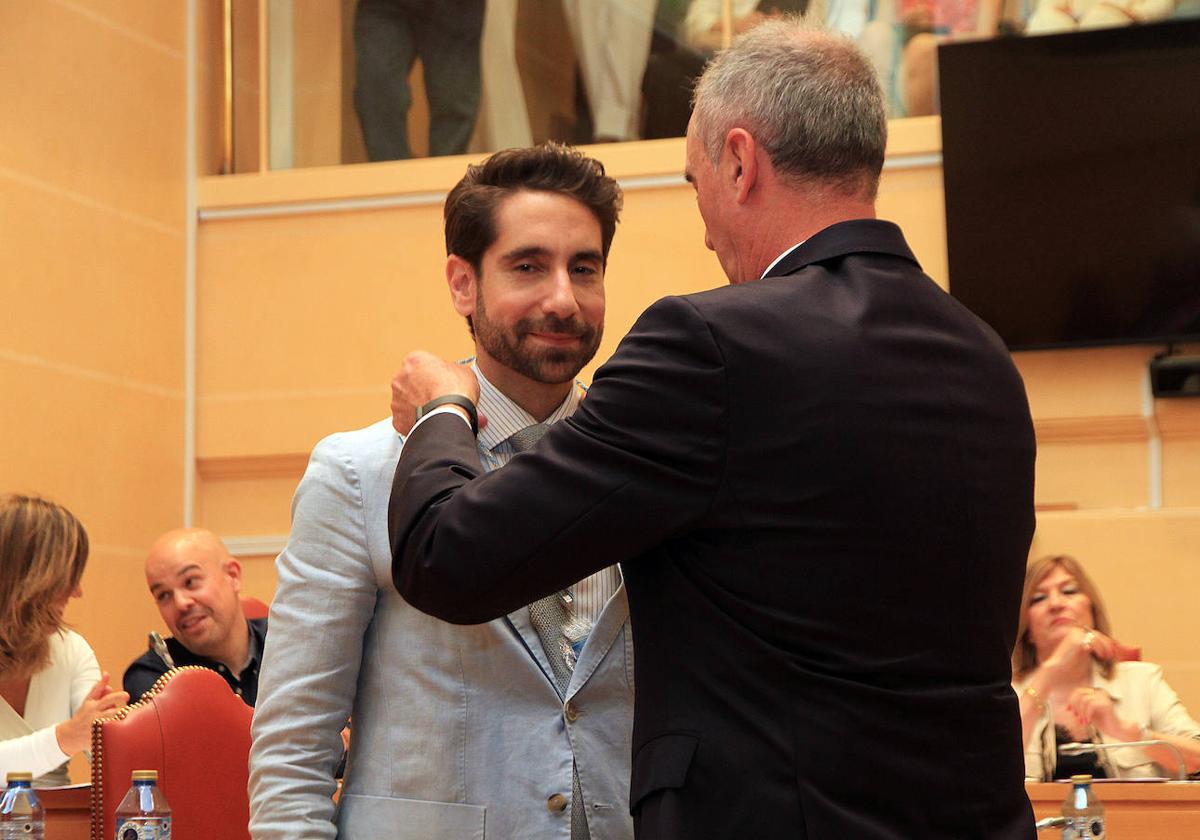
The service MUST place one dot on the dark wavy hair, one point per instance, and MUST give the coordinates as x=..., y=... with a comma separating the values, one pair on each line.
x=43, y=551
x=470, y=211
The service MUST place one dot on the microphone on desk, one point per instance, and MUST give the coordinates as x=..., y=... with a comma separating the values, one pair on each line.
x=1050, y=822
x=1080, y=748
x=159, y=646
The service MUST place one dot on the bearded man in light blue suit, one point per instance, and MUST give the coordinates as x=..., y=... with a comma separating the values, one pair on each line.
x=500, y=730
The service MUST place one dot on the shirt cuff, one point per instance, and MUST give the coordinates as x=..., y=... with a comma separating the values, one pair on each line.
x=46, y=752
x=442, y=409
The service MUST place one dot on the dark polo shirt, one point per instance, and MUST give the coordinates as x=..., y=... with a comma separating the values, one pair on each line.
x=147, y=668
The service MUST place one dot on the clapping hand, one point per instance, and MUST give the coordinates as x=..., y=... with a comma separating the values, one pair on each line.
x=75, y=733
x=1094, y=707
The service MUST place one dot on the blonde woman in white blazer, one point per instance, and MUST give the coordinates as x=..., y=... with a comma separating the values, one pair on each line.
x=1075, y=682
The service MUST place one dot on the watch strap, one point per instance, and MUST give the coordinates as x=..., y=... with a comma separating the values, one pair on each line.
x=453, y=399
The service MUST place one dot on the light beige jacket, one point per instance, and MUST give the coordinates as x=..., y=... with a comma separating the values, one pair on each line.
x=1140, y=695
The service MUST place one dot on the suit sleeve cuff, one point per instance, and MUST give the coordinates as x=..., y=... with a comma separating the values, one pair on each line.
x=442, y=409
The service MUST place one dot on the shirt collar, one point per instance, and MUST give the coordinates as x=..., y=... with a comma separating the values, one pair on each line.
x=775, y=261
x=504, y=417
x=258, y=637
x=258, y=631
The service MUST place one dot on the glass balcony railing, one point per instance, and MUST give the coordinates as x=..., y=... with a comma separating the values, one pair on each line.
x=325, y=82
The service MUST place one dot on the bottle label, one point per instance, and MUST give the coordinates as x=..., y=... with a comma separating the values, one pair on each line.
x=1084, y=828
x=144, y=829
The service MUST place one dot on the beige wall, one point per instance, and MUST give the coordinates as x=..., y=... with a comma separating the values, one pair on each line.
x=1145, y=564
x=92, y=209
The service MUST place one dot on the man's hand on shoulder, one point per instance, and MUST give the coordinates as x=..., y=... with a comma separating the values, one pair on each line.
x=423, y=377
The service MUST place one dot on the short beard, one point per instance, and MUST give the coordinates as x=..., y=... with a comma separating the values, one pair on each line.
x=550, y=365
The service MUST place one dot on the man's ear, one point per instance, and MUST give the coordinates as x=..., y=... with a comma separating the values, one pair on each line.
x=460, y=277
x=741, y=156
x=234, y=569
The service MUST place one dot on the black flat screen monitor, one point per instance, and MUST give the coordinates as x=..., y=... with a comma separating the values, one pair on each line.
x=1072, y=176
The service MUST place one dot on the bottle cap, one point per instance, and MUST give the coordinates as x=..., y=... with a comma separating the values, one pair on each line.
x=1081, y=780
x=152, y=775
x=20, y=777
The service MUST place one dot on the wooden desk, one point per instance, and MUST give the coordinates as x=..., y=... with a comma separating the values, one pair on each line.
x=68, y=812
x=1133, y=810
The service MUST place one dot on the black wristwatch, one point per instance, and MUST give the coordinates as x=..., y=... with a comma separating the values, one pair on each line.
x=453, y=399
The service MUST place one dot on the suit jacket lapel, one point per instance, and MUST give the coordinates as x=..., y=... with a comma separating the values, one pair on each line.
x=604, y=633
x=519, y=621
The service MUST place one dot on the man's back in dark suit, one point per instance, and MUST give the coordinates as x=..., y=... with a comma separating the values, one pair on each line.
x=831, y=634
x=819, y=484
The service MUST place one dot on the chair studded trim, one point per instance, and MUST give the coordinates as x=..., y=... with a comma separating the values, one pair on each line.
x=98, y=744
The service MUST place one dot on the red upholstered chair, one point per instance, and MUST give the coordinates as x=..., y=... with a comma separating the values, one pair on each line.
x=196, y=733
x=254, y=608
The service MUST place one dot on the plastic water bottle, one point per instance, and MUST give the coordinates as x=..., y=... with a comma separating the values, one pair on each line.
x=21, y=815
x=144, y=814
x=1084, y=812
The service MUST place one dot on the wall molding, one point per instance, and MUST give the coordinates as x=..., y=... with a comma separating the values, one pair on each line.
x=242, y=467
x=1169, y=425
x=913, y=143
x=1181, y=423
x=1100, y=429
x=666, y=180
x=265, y=545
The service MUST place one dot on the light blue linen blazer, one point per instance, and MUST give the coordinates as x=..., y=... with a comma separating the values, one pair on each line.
x=458, y=731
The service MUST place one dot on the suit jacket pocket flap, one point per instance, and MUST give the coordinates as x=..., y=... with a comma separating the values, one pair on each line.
x=661, y=762
x=408, y=819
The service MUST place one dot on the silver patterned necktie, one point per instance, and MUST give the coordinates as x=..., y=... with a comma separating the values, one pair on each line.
x=555, y=625
x=522, y=440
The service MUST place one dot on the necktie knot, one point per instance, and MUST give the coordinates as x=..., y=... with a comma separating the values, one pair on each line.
x=523, y=440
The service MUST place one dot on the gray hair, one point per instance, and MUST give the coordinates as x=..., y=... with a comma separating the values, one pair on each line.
x=810, y=98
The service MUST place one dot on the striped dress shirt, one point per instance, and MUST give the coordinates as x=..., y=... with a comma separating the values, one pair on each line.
x=504, y=418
